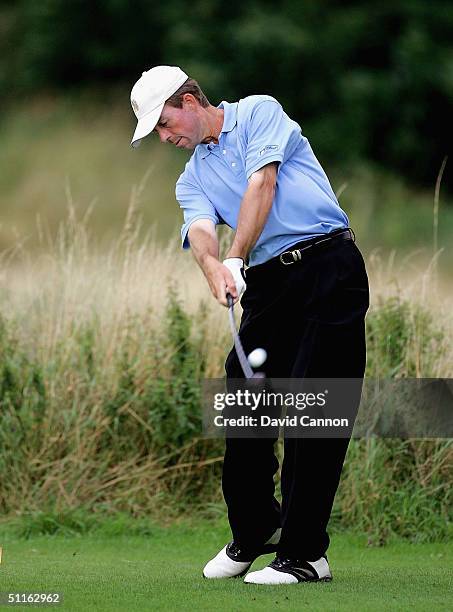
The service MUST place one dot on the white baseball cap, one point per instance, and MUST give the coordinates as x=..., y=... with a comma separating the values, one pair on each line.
x=149, y=94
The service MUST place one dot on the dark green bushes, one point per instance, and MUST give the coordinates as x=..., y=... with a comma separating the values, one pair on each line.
x=366, y=80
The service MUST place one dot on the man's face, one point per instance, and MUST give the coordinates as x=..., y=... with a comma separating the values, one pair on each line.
x=181, y=127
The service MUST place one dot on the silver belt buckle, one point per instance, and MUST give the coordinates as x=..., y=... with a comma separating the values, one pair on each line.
x=294, y=254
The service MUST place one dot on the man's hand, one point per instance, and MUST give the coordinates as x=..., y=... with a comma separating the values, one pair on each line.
x=236, y=266
x=221, y=280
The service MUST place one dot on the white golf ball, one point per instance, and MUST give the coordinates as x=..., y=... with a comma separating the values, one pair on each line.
x=257, y=357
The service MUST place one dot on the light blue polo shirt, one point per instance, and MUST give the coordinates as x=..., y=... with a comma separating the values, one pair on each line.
x=255, y=132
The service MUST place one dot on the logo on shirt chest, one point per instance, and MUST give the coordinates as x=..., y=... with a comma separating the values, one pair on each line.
x=268, y=148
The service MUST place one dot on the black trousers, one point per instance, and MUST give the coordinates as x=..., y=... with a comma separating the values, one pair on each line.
x=310, y=318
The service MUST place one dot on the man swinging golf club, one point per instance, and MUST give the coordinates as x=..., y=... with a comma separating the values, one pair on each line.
x=305, y=300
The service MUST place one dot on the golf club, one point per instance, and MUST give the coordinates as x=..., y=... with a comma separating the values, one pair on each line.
x=259, y=354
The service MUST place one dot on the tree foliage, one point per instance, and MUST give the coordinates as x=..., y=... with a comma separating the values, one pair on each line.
x=365, y=79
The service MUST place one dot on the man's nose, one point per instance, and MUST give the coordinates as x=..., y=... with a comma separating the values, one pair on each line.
x=164, y=135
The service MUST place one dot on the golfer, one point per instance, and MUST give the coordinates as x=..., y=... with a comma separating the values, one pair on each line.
x=305, y=300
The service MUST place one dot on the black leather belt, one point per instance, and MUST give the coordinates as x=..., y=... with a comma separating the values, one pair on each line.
x=294, y=255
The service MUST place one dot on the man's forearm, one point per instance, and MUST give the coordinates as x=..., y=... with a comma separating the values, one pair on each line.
x=255, y=207
x=204, y=243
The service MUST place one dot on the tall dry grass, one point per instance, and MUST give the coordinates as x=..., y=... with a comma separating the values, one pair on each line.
x=75, y=323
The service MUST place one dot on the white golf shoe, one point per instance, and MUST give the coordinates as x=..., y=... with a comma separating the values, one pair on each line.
x=232, y=562
x=291, y=571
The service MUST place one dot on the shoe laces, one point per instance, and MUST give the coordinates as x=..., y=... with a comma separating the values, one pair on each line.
x=284, y=561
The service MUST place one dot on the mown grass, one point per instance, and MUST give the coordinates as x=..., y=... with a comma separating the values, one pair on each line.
x=101, y=358
x=160, y=569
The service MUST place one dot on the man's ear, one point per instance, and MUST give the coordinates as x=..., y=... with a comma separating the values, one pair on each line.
x=190, y=100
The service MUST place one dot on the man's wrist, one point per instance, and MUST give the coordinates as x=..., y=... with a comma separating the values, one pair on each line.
x=236, y=252
x=207, y=258
x=207, y=261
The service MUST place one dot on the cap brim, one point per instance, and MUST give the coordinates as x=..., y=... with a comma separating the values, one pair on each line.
x=146, y=125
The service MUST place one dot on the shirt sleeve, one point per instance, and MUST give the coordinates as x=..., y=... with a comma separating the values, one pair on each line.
x=195, y=205
x=271, y=136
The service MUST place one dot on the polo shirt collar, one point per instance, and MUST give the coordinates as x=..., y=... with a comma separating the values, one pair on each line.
x=230, y=115
x=230, y=111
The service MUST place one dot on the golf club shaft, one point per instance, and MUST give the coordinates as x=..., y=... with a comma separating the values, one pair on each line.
x=246, y=368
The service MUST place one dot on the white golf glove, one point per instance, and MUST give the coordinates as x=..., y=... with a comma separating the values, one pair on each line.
x=236, y=266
